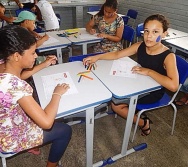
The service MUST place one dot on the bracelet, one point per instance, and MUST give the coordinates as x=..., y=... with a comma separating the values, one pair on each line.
x=57, y=94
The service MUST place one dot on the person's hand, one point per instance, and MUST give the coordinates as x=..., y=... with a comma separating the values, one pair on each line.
x=45, y=37
x=101, y=35
x=11, y=19
x=20, y=5
x=92, y=31
x=89, y=60
x=33, y=9
x=61, y=88
x=50, y=60
x=141, y=70
x=38, y=36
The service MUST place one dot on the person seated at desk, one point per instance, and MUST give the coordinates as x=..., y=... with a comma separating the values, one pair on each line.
x=27, y=19
x=45, y=12
x=25, y=124
x=3, y=17
x=110, y=27
x=157, y=61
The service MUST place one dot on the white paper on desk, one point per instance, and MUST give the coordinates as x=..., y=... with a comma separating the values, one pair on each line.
x=50, y=41
x=88, y=36
x=122, y=68
x=51, y=81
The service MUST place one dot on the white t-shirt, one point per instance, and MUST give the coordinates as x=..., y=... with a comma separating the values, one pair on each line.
x=48, y=15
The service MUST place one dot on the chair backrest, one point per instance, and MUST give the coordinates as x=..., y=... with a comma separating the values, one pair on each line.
x=93, y=8
x=182, y=66
x=132, y=13
x=17, y=11
x=125, y=19
x=128, y=34
x=139, y=28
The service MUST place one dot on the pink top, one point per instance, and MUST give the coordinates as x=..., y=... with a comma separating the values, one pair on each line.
x=17, y=131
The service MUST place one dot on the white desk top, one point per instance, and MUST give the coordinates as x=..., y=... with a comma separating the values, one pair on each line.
x=54, y=42
x=124, y=87
x=95, y=12
x=90, y=92
x=181, y=43
x=83, y=37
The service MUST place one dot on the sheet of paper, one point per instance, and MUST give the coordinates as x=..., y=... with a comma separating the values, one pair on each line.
x=50, y=41
x=88, y=36
x=50, y=82
x=122, y=68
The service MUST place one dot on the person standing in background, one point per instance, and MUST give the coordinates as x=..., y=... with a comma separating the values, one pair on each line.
x=45, y=12
x=26, y=4
x=3, y=17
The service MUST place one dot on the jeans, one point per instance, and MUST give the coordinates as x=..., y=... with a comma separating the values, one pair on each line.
x=59, y=135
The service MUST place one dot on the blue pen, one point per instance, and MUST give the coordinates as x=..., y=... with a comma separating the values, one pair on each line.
x=79, y=78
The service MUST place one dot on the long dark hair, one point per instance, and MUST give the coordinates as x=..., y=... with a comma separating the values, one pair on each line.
x=109, y=3
x=159, y=17
x=14, y=39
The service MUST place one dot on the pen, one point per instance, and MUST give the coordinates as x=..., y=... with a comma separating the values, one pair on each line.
x=174, y=33
x=75, y=36
x=79, y=78
x=87, y=77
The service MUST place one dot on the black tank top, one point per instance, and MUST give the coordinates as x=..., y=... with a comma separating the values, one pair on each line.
x=156, y=63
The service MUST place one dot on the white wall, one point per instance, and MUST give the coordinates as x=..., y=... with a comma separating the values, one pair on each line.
x=175, y=10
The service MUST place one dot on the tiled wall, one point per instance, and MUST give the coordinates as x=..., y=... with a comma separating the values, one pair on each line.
x=175, y=10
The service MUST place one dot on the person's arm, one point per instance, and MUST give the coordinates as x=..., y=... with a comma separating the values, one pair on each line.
x=7, y=19
x=43, y=118
x=171, y=81
x=113, y=55
x=40, y=41
x=90, y=25
x=38, y=12
x=29, y=72
x=20, y=5
x=115, y=38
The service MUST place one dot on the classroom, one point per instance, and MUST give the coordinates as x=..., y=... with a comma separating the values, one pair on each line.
x=100, y=137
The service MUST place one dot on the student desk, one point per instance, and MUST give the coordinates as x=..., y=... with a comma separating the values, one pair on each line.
x=83, y=38
x=55, y=43
x=124, y=87
x=179, y=43
x=91, y=93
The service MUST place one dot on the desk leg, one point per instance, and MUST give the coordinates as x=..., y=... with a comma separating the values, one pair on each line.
x=89, y=136
x=59, y=56
x=84, y=48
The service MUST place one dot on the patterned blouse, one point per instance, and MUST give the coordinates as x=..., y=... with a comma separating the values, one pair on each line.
x=103, y=27
x=17, y=131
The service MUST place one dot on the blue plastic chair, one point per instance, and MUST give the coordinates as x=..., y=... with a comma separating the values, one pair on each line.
x=125, y=19
x=93, y=8
x=132, y=14
x=139, y=28
x=17, y=11
x=166, y=100
x=128, y=35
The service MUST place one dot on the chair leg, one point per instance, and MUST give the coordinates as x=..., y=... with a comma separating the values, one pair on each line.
x=4, y=162
x=136, y=125
x=174, y=119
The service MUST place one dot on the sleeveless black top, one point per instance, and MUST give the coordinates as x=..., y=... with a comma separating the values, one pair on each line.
x=156, y=63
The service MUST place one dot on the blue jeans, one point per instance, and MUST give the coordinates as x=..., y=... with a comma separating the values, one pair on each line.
x=59, y=135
